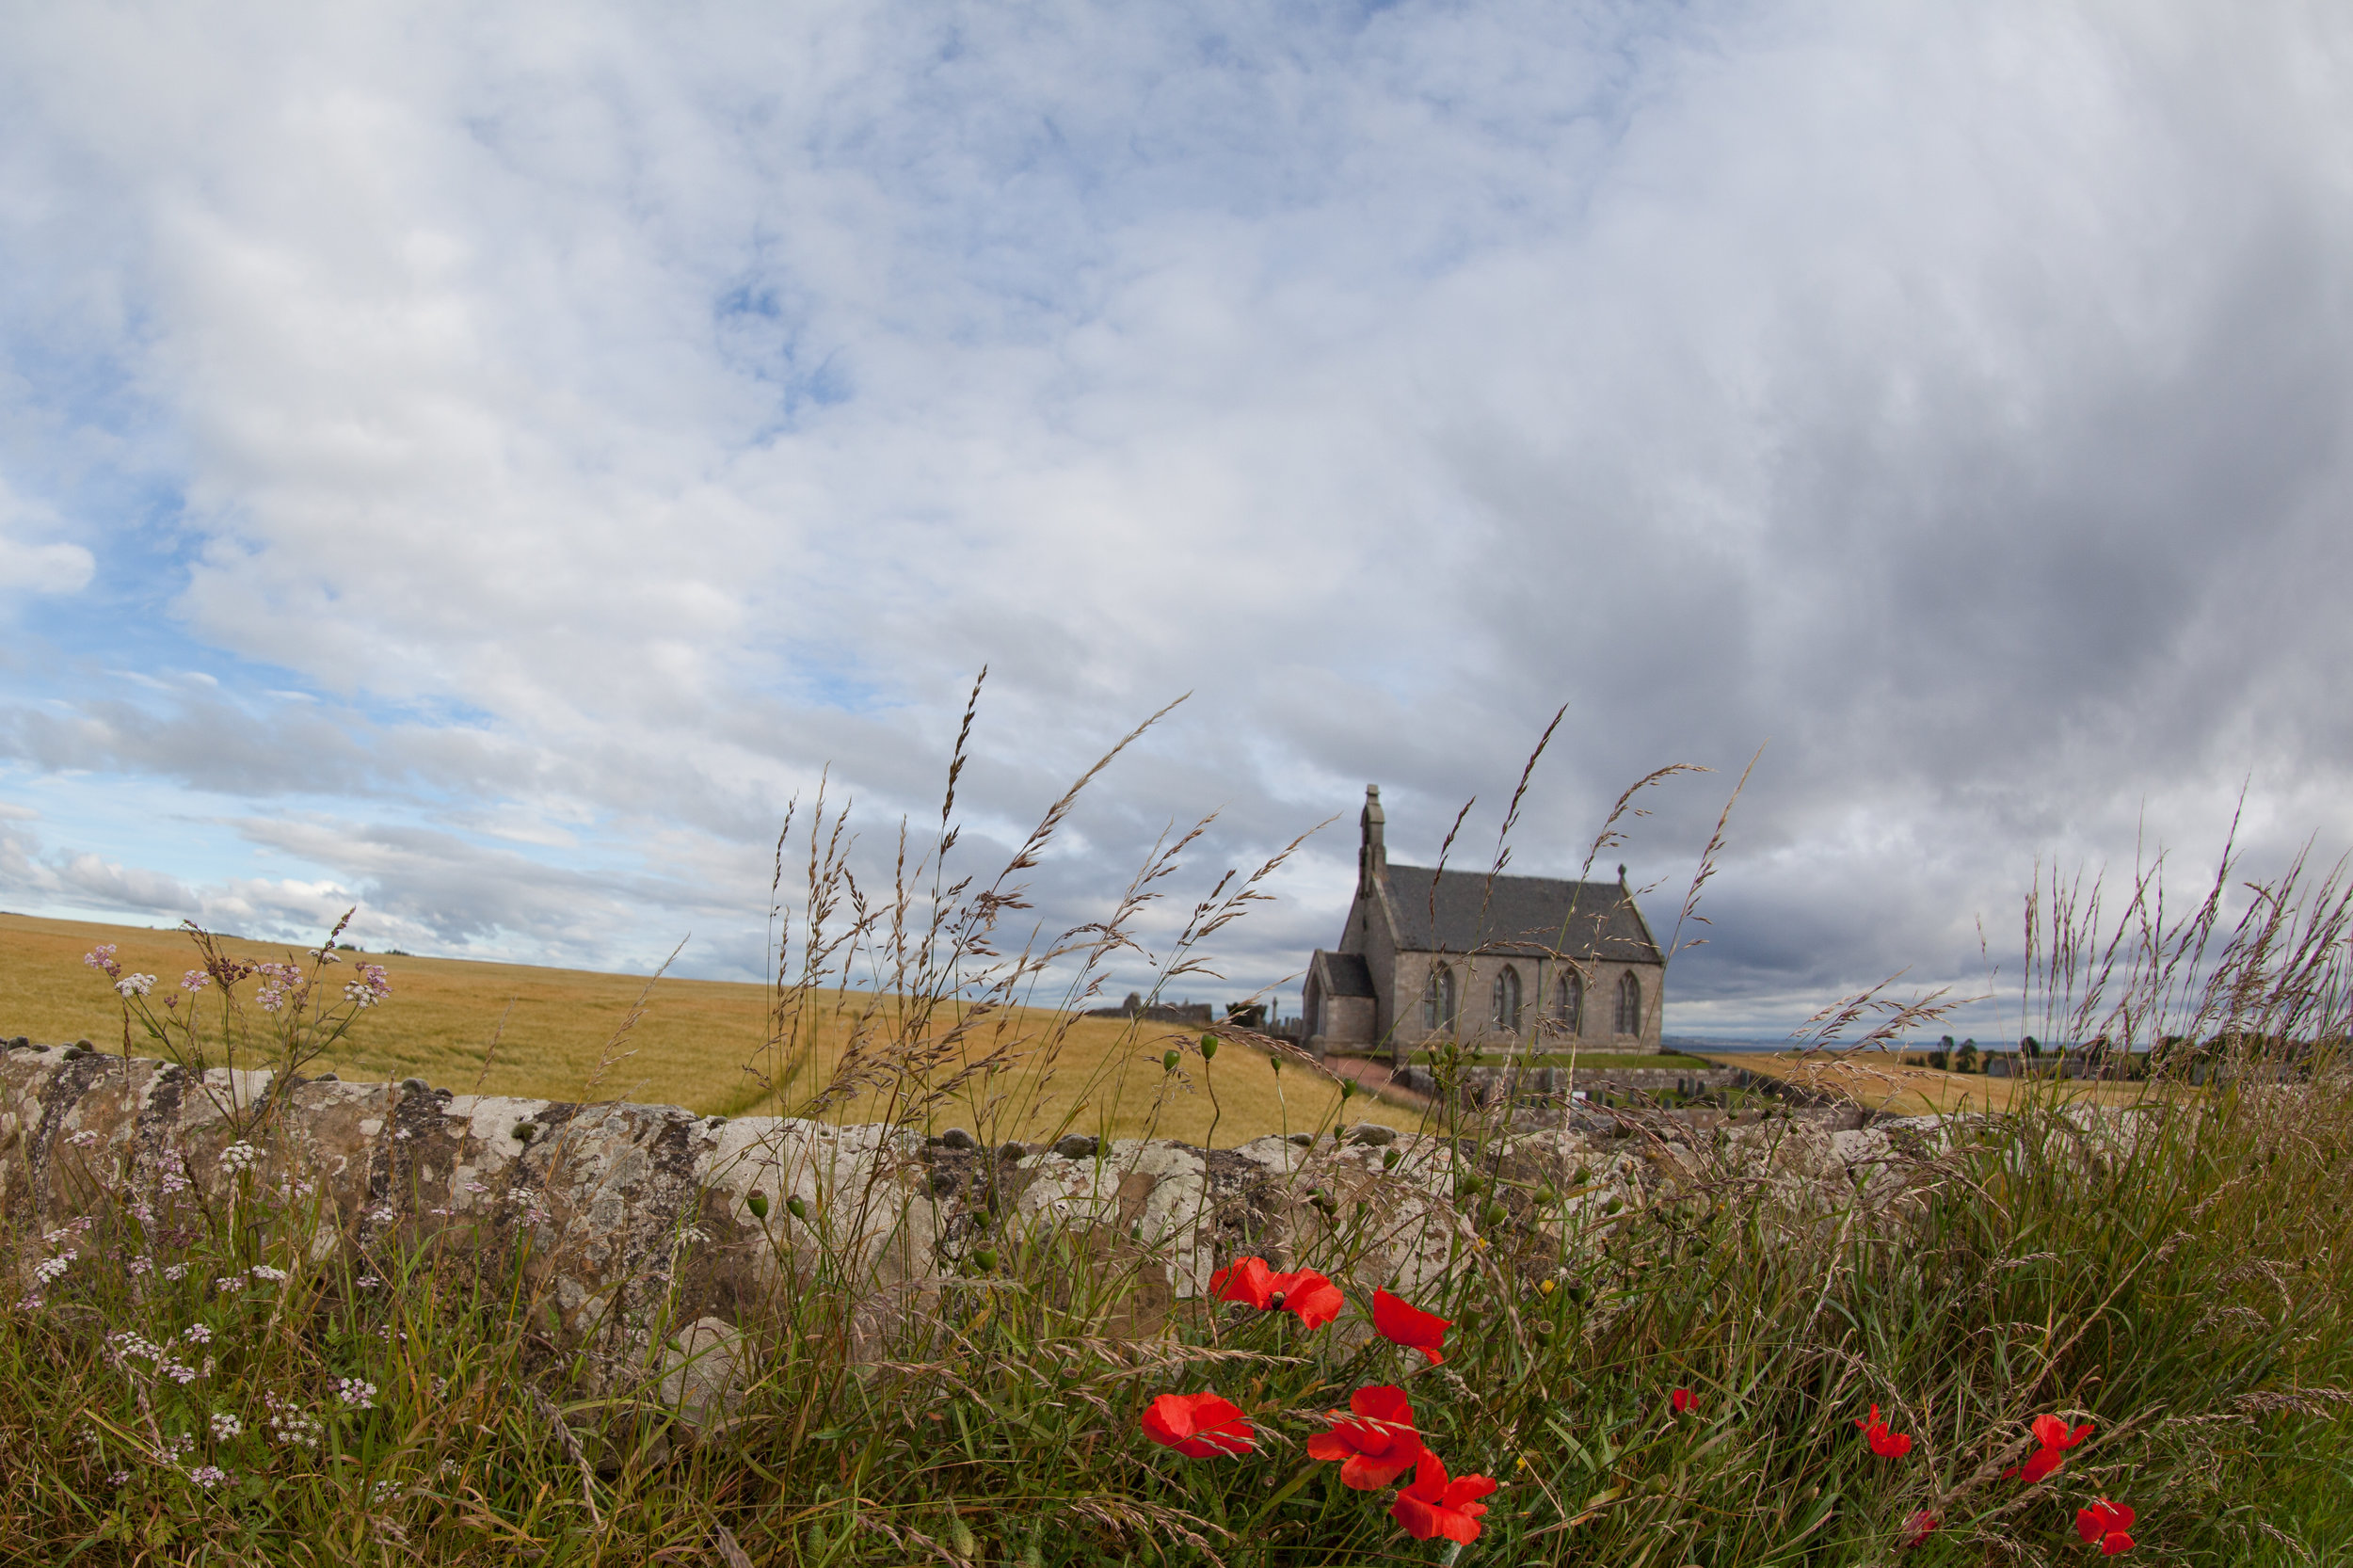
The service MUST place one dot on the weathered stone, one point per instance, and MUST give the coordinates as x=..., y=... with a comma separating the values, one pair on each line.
x=637, y=1217
x=956, y=1138
x=703, y=1371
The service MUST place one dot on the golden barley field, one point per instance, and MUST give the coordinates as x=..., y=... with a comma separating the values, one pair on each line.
x=555, y=1030
x=1876, y=1080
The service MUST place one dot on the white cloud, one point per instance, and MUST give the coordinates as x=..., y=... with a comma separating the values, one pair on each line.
x=29, y=563
x=621, y=420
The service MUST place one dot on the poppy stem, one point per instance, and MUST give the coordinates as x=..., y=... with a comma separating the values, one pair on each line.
x=1299, y=1478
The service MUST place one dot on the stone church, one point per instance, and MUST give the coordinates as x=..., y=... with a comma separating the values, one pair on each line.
x=1505, y=962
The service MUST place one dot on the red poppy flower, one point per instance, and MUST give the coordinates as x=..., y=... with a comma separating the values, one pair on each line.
x=2038, y=1465
x=1310, y=1297
x=1436, y=1506
x=1199, y=1425
x=1246, y=1280
x=2052, y=1433
x=1410, y=1326
x=1376, y=1447
x=2055, y=1437
x=1916, y=1529
x=1682, y=1399
x=2106, y=1524
x=1887, y=1444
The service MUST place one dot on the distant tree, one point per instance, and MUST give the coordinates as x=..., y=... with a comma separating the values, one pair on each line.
x=1968, y=1060
x=2031, y=1046
x=1941, y=1059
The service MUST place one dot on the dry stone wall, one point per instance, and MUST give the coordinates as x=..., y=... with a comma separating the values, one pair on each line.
x=625, y=1205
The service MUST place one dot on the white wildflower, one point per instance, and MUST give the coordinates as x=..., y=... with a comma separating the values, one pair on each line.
x=129, y=1344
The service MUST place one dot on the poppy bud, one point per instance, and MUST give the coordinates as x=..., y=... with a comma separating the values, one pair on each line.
x=1347, y=1088
x=1494, y=1214
x=757, y=1204
x=795, y=1207
x=1470, y=1186
x=1208, y=1048
x=1168, y=1062
x=985, y=1258
x=1389, y=1159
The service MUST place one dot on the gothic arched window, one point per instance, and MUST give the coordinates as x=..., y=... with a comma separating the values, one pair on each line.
x=1508, y=1001
x=1568, y=1003
x=1629, y=1005
x=1437, y=1000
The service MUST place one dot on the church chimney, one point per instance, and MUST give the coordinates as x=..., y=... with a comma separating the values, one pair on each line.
x=1372, y=857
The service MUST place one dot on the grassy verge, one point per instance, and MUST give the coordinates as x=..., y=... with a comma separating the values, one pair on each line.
x=386, y=1400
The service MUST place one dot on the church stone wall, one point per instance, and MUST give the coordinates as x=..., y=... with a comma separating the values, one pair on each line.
x=1475, y=979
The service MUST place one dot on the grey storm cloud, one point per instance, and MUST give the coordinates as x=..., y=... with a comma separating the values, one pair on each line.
x=613, y=425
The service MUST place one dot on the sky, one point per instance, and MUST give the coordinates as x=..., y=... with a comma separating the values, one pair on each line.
x=479, y=464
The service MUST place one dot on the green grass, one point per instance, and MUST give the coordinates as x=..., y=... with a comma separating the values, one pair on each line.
x=2185, y=1295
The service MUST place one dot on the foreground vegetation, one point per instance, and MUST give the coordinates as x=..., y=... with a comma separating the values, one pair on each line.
x=2064, y=1321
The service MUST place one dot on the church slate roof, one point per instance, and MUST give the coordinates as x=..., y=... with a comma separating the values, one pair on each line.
x=1522, y=916
x=1345, y=974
